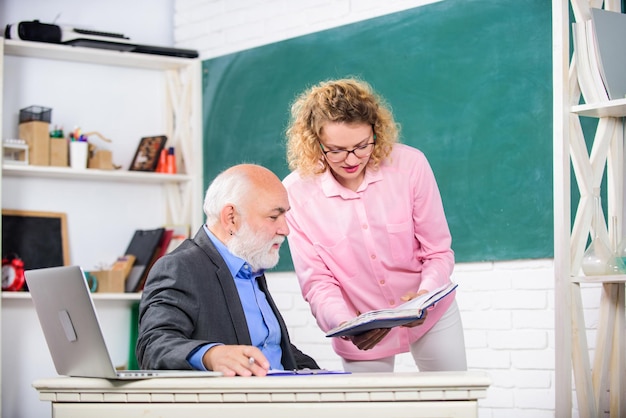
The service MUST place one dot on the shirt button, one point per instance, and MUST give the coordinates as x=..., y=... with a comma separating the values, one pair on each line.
x=373, y=256
x=382, y=282
x=392, y=303
x=364, y=226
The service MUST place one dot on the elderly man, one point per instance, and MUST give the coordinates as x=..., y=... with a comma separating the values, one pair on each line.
x=206, y=305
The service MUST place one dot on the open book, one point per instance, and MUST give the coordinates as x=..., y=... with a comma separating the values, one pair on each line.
x=388, y=318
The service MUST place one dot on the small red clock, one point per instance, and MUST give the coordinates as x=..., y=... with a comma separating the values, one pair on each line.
x=12, y=273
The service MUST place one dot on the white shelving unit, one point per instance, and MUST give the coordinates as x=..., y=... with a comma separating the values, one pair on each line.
x=63, y=173
x=124, y=96
x=599, y=381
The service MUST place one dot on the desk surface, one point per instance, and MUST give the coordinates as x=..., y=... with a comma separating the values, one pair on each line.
x=414, y=386
x=392, y=395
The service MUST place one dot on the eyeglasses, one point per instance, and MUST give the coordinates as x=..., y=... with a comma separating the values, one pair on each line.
x=339, y=155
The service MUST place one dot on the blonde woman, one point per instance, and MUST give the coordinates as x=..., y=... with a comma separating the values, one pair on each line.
x=368, y=228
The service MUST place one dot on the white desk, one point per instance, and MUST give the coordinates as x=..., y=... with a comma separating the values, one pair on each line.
x=378, y=395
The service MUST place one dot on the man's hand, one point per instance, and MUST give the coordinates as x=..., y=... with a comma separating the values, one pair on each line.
x=236, y=360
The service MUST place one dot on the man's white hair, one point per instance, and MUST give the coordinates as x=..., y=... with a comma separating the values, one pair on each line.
x=229, y=187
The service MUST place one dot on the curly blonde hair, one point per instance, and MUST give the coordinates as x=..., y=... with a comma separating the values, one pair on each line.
x=347, y=101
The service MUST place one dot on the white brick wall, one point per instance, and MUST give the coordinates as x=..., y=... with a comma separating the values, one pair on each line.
x=507, y=307
x=508, y=317
x=219, y=27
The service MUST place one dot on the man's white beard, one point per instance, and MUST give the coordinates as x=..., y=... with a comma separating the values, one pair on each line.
x=254, y=249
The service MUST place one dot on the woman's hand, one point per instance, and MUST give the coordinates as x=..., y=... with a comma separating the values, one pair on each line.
x=368, y=339
x=408, y=297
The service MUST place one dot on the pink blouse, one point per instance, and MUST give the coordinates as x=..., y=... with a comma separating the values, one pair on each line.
x=357, y=251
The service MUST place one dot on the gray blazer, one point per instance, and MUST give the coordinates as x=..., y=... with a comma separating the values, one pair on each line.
x=190, y=299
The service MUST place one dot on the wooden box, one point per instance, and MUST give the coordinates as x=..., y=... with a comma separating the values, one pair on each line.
x=37, y=136
x=101, y=159
x=109, y=281
x=58, y=152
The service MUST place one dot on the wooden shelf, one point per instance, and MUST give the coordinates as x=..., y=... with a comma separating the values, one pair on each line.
x=621, y=278
x=92, y=55
x=613, y=108
x=103, y=207
x=89, y=174
x=598, y=381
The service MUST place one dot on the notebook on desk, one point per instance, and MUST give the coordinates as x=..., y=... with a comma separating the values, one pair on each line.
x=72, y=330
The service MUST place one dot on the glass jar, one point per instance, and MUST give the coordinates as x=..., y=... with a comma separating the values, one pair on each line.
x=598, y=259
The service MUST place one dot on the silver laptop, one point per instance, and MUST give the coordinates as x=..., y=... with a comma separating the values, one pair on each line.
x=70, y=325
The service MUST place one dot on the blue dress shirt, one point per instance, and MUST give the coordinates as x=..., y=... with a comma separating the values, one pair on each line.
x=262, y=323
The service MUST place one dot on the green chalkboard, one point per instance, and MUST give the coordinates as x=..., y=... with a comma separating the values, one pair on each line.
x=469, y=82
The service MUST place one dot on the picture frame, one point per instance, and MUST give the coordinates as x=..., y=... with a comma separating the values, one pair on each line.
x=147, y=155
x=39, y=239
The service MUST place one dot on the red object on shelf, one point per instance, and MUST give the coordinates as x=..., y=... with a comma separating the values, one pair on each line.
x=162, y=161
x=170, y=166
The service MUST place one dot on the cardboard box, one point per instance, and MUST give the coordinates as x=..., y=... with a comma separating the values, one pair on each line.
x=37, y=136
x=109, y=281
x=125, y=264
x=58, y=152
x=101, y=159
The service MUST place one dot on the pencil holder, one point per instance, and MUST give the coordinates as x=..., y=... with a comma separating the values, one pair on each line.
x=78, y=154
